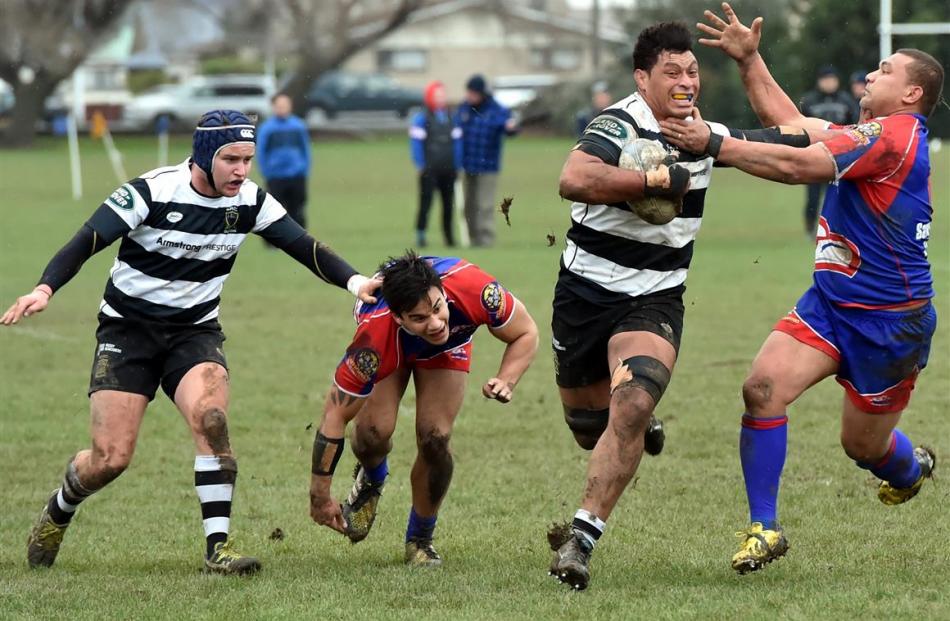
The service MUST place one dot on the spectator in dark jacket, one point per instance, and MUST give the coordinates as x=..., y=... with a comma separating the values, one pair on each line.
x=484, y=123
x=435, y=141
x=826, y=101
x=600, y=99
x=859, y=82
x=283, y=154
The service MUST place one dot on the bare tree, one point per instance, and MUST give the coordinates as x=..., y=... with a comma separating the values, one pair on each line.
x=41, y=43
x=326, y=33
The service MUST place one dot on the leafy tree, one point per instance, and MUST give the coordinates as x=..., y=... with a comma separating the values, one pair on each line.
x=41, y=44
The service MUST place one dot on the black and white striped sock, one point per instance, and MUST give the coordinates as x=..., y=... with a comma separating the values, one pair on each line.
x=63, y=504
x=588, y=526
x=214, y=482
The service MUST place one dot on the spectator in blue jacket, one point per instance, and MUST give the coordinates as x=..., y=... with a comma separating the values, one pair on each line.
x=283, y=154
x=484, y=123
x=435, y=141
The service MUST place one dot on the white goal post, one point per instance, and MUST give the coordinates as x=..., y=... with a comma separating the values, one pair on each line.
x=887, y=28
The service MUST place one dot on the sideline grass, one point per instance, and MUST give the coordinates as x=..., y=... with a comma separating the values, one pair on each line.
x=134, y=550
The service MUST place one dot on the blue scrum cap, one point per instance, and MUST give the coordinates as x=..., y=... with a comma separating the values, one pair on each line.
x=216, y=130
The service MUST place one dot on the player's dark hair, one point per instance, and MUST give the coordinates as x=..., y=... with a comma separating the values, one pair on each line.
x=407, y=280
x=665, y=36
x=926, y=73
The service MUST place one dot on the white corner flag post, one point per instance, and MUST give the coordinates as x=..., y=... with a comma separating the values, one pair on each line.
x=115, y=158
x=75, y=169
x=162, y=128
x=464, y=240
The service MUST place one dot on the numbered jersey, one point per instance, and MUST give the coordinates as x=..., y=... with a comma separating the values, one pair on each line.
x=872, y=237
x=381, y=346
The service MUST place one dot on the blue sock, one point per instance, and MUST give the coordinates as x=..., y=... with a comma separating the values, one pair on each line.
x=420, y=527
x=762, y=445
x=378, y=473
x=898, y=467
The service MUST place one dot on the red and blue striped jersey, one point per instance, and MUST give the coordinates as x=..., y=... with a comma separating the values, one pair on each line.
x=871, y=247
x=381, y=346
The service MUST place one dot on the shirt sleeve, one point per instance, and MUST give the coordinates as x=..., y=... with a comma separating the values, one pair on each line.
x=605, y=136
x=362, y=364
x=871, y=150
x=417, y=136
x=128, y=203
x=271, y=211
x=484, y=299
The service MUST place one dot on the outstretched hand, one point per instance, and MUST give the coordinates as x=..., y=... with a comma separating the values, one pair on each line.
x=366, y=290
x=692, y=136
x=326, y=511
x=498, y=389
x=733, y=37
x=26, y=305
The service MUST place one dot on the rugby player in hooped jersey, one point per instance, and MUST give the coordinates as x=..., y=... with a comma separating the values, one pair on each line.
x=181, y=228
x=422, y=328
x=867, y=318
x=618, y=303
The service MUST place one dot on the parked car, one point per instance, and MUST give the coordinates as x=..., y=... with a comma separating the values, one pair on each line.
x=340, y=91
x=183, y=104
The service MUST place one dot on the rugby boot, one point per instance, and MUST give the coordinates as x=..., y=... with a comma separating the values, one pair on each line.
x=890, y=495
x=45, y=539
x=359, y=510
x=227, y=560
x=654, y=437
x=420, y=553
x=760, y=546
x=571, y=559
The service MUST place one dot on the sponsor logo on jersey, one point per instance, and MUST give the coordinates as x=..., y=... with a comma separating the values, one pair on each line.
x=835, y=252
x=174, y=216
x=364, y=363
x=167, y=243
x=121, y=198
x=231, y=215
x=608, y=127
x=493, y=298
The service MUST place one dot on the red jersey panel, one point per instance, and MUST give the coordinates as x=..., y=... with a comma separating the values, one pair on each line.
x=871, y=249
x=381, y=346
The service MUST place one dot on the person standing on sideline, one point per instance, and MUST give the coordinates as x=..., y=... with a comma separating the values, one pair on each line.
x=826, y=101
x=435, y=141
x=600, y=99
x=859, y=83
x=484, y=123
x=283, y=149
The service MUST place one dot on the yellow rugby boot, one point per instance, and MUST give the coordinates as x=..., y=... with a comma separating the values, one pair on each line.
x=227, y=560
x=760, y=546
x=890, y=495
x=45, y=539
x=359, y=510
x=420, y=553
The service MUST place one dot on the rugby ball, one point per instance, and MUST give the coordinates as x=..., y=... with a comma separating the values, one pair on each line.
x=643, y=156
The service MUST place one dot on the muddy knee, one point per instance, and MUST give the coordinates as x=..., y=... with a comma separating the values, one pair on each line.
x=586, y=425
x=863, y=448
x=106, y=462
x=757, y=391
x=369, y=442
x=214, y=428
x=632, y=409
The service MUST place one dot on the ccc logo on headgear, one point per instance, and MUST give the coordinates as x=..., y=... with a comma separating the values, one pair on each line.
x=247, y=133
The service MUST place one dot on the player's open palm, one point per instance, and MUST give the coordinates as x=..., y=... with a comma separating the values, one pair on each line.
x=326, y=511
x=730, y=35
x=498, y=389
x=26, y=305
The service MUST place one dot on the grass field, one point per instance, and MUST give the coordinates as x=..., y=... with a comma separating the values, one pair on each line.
x=134, y=550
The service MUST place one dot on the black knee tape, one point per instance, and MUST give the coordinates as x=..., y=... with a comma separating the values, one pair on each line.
x=586, y=422
x=326, y=454
x=643, y=372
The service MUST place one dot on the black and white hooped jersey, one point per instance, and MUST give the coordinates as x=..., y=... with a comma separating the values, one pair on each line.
x=181, y=245
x=611, y=252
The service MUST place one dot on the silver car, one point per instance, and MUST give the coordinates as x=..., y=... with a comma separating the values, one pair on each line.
x=183, y=104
